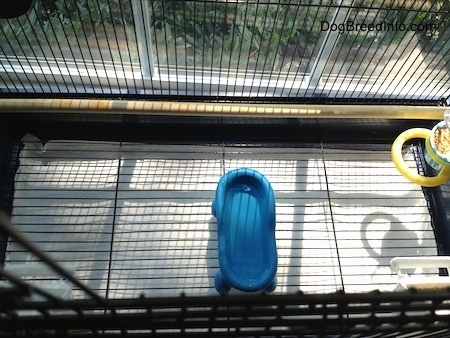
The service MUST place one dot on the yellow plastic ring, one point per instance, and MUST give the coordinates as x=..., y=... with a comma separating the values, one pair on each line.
x=397, y=158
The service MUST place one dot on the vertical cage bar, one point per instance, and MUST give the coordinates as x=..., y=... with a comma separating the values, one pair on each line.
x=141, y=19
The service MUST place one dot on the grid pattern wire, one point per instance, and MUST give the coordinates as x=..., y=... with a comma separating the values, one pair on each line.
x=268, y=50
x=135, y=218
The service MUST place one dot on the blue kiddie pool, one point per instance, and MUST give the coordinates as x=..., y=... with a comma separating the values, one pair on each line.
x=245, y=211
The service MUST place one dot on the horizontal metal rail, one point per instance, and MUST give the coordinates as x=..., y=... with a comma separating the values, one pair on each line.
x=335, y=314
x=220, y=109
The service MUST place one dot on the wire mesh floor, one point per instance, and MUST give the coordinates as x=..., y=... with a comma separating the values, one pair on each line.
x=136, y=218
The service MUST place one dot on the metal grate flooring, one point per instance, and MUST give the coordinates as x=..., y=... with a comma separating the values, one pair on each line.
x=135, y=218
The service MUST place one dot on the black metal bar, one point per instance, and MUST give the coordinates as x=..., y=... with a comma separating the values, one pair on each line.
x=369, y=313
x=27, y=288
x=20, y=238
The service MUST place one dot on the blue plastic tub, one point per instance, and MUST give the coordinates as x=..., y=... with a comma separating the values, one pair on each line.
x=245, y=212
